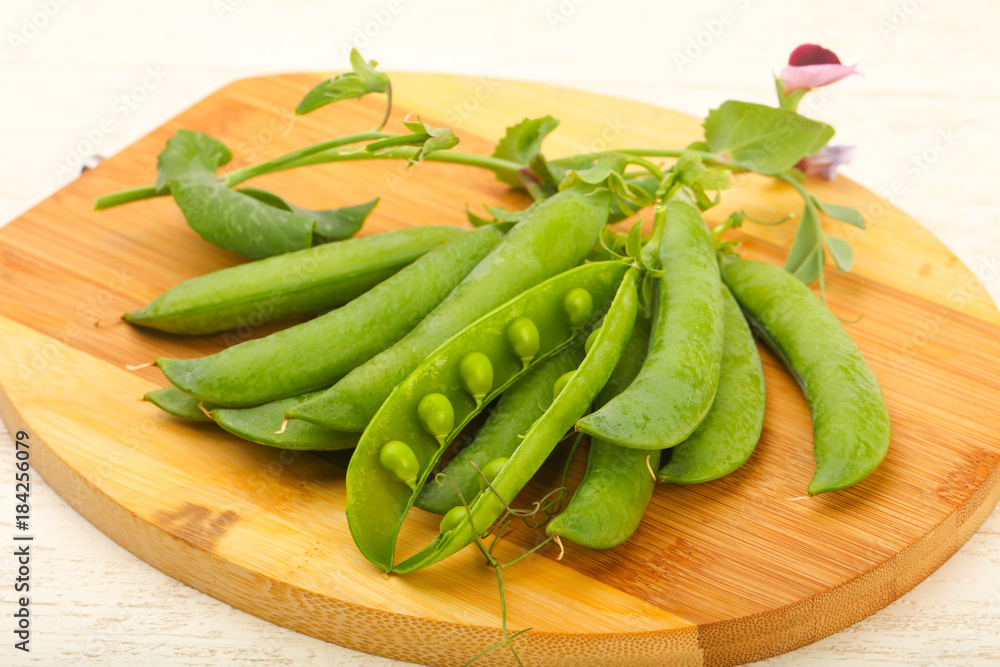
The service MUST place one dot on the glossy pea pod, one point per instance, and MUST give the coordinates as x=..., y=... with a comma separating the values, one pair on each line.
x=512, y=416
x=851, y=429
x=175, y=402
x=295, y=283
x=315, y=354
x=617, y=485
x=555, y=236
x=677, y=382
x=263, y=425
x=378, y=497
x=459, y=529
x=727, y=436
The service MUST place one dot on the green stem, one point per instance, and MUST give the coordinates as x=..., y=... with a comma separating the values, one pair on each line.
x=237, y=176
x=322, y=153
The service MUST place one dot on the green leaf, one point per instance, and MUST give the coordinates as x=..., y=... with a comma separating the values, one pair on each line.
x=842, y=253
x=222, y=216
x=599, y=172
x=438, y=138
x=503, y=215
x=522, y=143
x=812, y=267
x=190, y=152
x=808, y=238
x=349, y=85
x=762, y=138
x=475, y=220
x=633, y=242
x=621, y=210
x=851, y=216
x=715, y=178
x=335, y=224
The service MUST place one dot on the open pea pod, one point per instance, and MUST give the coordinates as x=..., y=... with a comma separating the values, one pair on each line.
x=426, y=410
x=570, y=403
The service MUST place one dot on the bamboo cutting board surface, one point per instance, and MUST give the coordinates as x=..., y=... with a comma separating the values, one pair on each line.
x=717, y=574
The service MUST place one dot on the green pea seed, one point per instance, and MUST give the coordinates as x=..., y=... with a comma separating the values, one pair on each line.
x=476, y=372
x=400, y=462
x=591, y=339
x=579, y=305
x=523, y=336
x=490, y=471
x=561, y=383
x=453, y=517
x=437, y=416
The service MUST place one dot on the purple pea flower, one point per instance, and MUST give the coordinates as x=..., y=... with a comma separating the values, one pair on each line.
x=812, y=66
x=824, y=163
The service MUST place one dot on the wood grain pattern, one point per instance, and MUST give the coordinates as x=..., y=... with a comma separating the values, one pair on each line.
x=719, y=573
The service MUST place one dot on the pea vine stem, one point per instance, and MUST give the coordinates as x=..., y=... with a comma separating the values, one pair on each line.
x=323, y=153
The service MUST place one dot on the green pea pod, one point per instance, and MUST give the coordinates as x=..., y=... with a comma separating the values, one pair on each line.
x=617, y=485
x=175, y=402
x=727, y=436
x=572, y=402
x=315, y=354
x=850, y=420
x=677, y=383
x=513, y=415
x=377, y=501
x=262, y=423
x=553, y=237
x=295, y=283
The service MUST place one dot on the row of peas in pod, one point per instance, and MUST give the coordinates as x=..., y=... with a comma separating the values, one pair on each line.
x=651, y=354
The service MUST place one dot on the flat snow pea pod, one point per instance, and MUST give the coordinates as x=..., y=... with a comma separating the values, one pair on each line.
x=262, y=423
x=553, y=237
x=513, y=415
x=175, y=402
x=315, y=354
x=849, y=415
x=617, y=485
x=295, y=283
x=544, y=434
x=377, y=503
x=727, y=436
x=677, y=383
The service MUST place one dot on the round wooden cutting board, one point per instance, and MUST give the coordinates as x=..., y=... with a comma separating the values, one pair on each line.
x=718, y=574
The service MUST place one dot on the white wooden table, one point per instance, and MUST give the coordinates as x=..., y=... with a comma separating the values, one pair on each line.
x=85, y=77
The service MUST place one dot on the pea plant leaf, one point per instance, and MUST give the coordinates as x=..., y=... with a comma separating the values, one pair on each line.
x=335, y=224
x=851, y=216
x=623, y=209
x=841, y=251
x=761, y=138
x=598, y=172
x=364, y=79
x=808, y=242
x=522, y=143
x=428, y=138
x=222, y=216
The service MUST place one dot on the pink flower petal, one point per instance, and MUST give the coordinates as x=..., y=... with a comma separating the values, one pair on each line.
x=825, y=161
x=813, y=76
x=812, y=54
